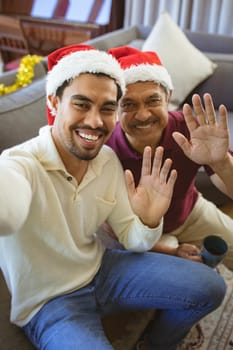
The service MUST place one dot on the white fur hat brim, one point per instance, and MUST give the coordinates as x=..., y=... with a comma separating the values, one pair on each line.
x=86, y=61
x=148, y=72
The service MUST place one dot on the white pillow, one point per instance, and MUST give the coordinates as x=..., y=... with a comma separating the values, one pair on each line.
x=187, y=65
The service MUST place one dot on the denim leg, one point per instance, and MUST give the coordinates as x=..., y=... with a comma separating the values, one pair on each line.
x=183, y=291
x=69, y=322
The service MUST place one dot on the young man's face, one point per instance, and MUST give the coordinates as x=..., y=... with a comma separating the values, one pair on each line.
x=85, y=116
x=143, y=114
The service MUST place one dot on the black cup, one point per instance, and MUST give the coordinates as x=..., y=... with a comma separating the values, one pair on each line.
x=213, y=250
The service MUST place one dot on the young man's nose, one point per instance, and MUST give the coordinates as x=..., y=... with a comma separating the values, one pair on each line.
x=94, y=119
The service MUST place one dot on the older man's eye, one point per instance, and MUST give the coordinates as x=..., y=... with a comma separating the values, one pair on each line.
x=154, y=101
x=128, y=106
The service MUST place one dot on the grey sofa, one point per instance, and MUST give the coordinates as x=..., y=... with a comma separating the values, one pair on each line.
x=23, y=112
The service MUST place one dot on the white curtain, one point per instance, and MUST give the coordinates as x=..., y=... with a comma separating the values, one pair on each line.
x=211, y=16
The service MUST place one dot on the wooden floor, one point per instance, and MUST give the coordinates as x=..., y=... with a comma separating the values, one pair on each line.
x=228, y=208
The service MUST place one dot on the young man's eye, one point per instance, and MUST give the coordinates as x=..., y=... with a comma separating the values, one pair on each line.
x=81, y=105
x=109, y=109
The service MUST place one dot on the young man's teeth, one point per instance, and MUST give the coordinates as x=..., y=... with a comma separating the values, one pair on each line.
x=88, y=137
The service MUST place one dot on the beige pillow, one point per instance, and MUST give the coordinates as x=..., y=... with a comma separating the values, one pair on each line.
x=187, y=65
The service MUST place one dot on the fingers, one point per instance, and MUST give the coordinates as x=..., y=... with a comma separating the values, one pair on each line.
x=146, y=161
x=182, y=141
x=164, y=172
x=157, y=162
x=189, y=251
x=198, y=109
x=129, y=182
x=196, y=258
x=205, y=113
x=172, y=178
x=209, y=108
x=189, y=118
x=223, y=117
x=159, y=168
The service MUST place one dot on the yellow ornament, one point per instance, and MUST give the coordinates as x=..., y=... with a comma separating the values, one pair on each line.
x=24, y=76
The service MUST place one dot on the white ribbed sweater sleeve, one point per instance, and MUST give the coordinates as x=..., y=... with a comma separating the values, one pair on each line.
x=15, y=199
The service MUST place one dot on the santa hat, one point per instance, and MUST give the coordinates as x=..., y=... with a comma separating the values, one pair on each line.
x=141, y=66
x=70, y=61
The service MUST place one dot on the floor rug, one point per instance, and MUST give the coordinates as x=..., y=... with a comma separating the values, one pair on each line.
x=215, y=331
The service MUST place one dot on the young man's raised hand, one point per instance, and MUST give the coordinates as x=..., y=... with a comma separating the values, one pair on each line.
x=151, y=198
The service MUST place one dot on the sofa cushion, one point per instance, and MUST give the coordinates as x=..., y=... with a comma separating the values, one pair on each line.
x=185, y=63
x=22, y=113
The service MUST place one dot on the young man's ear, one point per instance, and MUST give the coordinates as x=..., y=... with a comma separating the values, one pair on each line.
x=53, y=102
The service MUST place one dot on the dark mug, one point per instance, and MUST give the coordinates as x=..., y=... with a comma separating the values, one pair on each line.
x=213, y=250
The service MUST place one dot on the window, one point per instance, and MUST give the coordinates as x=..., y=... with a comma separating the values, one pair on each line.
x=72, y=10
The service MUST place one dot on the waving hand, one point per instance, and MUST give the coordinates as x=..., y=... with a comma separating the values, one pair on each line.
x=151, y=199
x=209, y=137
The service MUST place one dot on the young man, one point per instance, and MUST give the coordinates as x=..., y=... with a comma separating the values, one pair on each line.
x=57, y=189
x=146, y=121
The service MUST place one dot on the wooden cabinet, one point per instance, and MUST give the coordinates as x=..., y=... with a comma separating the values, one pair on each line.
x=44, y=35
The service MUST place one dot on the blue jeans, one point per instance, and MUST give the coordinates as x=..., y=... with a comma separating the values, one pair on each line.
x=181, y=290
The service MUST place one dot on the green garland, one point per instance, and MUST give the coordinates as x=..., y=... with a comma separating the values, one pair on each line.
x=24, y=76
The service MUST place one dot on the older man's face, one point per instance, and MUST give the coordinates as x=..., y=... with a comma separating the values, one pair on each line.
x=143, y=114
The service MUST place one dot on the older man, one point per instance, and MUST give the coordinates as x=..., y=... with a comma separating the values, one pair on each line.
x=146, y=121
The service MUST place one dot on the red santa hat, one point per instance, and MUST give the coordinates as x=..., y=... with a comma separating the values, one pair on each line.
x=141, y=66
x=70, y=61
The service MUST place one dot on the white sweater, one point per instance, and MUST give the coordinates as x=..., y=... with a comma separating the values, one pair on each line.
x=48, y=223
